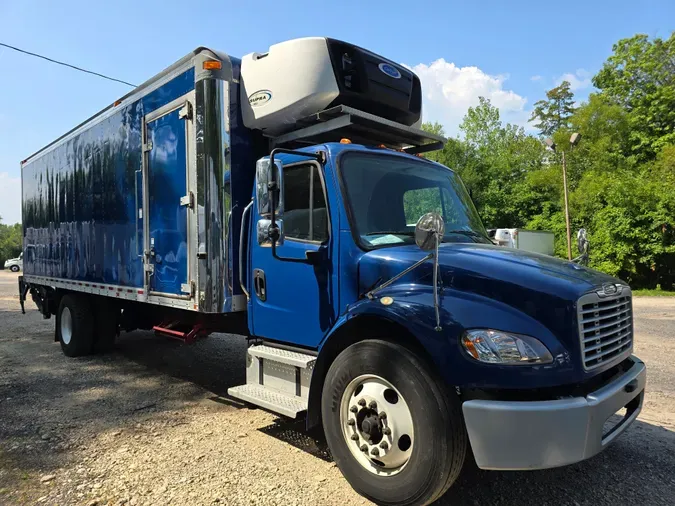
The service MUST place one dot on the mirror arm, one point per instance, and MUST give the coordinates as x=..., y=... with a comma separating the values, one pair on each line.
x=371, y=294
x=272, y=187
x=436, y=302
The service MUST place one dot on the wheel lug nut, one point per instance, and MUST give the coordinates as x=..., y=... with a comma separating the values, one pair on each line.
x=384, y=445
x=386, y=431
x=351, y=422
x=375, y=452
x=364, y=448
x=362, y=402
x=373, y=405
x=382, y=415
x=354, y=409
x=355, y=437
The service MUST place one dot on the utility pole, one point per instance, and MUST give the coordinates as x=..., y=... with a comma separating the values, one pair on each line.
x=567, y=208
x=574, y=140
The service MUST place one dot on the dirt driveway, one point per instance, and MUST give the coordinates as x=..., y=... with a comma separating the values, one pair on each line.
x=151, y=424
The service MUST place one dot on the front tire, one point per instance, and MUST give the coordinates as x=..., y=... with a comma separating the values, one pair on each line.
x=395, y=432
x=74, y=325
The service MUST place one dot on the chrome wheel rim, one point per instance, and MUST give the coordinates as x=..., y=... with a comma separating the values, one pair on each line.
x=66, y=326
x=377, y=425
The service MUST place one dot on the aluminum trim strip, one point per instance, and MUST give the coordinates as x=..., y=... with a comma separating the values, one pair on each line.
x=112, y=291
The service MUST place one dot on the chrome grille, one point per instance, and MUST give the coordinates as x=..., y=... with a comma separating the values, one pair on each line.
x=605, y=326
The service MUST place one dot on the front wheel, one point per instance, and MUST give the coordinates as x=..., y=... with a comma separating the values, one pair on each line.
x=14, y=268
x=394, y=431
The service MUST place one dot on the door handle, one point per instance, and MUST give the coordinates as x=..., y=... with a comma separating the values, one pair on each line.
x=260, y=284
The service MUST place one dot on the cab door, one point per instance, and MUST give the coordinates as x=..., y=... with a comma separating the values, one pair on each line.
x=292, y=300
x=168, y=200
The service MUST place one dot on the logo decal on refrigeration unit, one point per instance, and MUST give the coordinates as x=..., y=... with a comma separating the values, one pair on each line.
x=390, y=70
x=260, y=98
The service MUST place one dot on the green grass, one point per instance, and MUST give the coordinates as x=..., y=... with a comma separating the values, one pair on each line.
x=653, y=293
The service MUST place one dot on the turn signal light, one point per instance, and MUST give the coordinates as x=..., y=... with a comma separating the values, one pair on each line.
x=212, y=65
x=469, y=346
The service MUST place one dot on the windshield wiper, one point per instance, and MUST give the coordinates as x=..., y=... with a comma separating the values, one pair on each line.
x=464, y=232
x=392, y=232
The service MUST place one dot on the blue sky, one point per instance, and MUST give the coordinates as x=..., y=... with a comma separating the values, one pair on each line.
x=511, y=51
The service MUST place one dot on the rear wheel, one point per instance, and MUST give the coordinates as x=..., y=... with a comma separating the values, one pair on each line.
x=14, y=268
x=394, y=431
x=74, y=325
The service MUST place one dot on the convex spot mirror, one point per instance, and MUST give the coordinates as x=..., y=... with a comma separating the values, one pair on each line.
x=263, y=177
x=428, y=227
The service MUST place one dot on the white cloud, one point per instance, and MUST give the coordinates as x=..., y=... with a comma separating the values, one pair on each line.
x=448, y=91
x=579, y=80
x=10, y=198
x=536, y=78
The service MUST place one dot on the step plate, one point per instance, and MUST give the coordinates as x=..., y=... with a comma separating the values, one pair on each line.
x=267, y=398
x=284, y=356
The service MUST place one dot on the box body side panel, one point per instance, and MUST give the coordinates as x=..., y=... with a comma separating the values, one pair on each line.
x=81, y=198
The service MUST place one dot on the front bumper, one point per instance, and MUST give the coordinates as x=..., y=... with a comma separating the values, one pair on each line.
x=508, y=435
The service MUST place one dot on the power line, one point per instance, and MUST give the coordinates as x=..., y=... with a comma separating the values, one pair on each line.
x=67, y=64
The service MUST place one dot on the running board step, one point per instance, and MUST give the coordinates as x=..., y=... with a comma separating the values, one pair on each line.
x=278, y=402
x=277, y=379
x=282, y=356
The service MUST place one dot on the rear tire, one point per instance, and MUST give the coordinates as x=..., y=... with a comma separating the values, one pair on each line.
x=106, y=325
x=74, y=325
x=430, y=457
x=14, y=268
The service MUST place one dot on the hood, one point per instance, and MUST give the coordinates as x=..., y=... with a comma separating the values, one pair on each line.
x=543, y=287
x=481, y=263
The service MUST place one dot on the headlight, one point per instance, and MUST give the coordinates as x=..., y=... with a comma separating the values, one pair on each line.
x=497, y=347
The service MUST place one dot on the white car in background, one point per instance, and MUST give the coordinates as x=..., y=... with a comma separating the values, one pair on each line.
x=15, y=264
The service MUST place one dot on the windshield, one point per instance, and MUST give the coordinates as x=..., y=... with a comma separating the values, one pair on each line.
x=388, y=194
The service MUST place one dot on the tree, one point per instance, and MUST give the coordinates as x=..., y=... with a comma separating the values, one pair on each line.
x=494, y=160
x=621, y=176
x=481, y=125
x=554, y=113
x=640, y=77
x=11, y=240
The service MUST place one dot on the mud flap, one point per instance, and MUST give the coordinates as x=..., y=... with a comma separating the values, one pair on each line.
x=23, y=290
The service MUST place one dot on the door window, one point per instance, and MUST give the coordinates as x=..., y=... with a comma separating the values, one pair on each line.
x=305, y=210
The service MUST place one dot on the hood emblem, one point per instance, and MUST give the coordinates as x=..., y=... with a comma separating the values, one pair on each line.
x=609, y=289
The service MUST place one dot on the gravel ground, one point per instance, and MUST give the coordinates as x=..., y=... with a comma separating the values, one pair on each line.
x=151, y=424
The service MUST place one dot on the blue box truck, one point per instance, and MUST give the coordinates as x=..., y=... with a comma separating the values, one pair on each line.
x=282, y=196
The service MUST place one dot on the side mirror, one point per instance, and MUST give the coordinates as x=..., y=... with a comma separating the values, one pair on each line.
x=269, y=186
x=263, y=178
x=428, y=228
x=582, y=241
x=264, y=234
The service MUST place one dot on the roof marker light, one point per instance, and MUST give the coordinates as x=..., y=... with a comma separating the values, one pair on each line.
x=345, y=141
x=212, y=65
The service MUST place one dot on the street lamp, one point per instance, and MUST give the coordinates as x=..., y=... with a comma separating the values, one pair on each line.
x=574, y=140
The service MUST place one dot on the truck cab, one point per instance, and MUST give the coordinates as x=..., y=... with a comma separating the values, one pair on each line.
x=519, y=359
x=284, y=196
x=416, y=356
